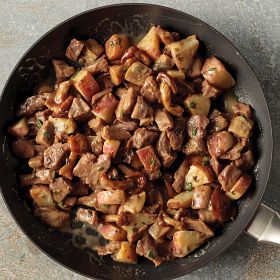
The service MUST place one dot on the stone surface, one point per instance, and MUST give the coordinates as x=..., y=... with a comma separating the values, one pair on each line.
x=252, y=25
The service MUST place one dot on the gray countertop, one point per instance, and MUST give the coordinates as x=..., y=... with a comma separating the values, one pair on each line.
x=252, y=25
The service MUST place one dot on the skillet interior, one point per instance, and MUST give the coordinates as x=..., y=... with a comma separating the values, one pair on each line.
x=132, y=19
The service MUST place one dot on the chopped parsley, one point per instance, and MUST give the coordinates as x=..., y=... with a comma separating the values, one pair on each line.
x=39, y=123
x=153, y=161
x=192, y=104
x=106, y=205
x=151, y=255
x=194, y=131
x=188, y=186
x=100, y=168
x=47, y=134
x=205, y=161
x=114, y=43
x=213, y=69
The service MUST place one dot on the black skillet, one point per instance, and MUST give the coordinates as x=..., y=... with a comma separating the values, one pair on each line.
x=100, y=23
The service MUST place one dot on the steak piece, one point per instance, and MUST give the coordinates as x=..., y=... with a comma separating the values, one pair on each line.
x=55, y=155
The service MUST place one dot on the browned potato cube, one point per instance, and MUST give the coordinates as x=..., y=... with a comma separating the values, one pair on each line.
x=198, y=175
x=112, y=232
x=41, y=195
x=137, y=73
x=241, y=126
x=127, y=253
x=19, y=129
x=45, y=134
x=91, y=51
x=240, y=187
x=216, y=74
x=135, y=203
x=181, y=200
x=201, y=197
x=117, y=73
x=197, y=104
x=116, y=46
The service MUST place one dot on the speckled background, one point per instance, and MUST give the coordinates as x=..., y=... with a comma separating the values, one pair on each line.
x=253, y=26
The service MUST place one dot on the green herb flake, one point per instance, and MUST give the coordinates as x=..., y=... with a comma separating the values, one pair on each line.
x=151, y=255
x=153, y=161
x=47, y=134
x=188, y=186
x=192, y=104
x=39, y=123
x=100, y=168
x=114, y=43
x=106, y=206
x=194, y=131
x=205, y=161
x=213, y=69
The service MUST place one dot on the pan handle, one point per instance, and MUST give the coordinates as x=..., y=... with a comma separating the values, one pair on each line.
x=265, y=226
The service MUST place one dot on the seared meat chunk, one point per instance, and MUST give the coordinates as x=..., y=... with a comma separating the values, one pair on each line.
x=98, y=66
x=195, y=147
x=60, y=188
x=87, y=216
x=137, y=73
x=142, y=137
x=31, y=105
x=41, y=195
x=126, y=103
x=109, y=248
x=126, y=125
x=55, y=155
x=23, y=148
x=96, y=124
x=140, y=109
x=196, y=126
x=246, y=161
x=165, y=151
x=84, y=165
x=217, y=124
x=242, y=109
x=79, y=110
x=235, y=152
x=210, y=91
x=74, y=49
x=201, y=197
x=62, y=69
x=215, y=165
x=97, y=144
x=177, y=134
x=40, y=176
x=179, y=176
x=79, y=188
x=229, y=176
x=45, y=134
x=198, y=225
x=114, y=133
x=150, y=90
x=163, y=120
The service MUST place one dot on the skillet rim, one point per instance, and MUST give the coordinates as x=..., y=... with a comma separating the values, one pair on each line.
x=255, y=202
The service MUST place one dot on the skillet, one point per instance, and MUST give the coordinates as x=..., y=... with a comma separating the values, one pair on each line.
x=132, y=19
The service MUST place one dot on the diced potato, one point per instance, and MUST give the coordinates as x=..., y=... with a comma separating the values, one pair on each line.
x=216, y=74
x=87, y=216
x=105, y=108
x=150, y=43
x=36, y=162
x=240, y=187
x=41, y=195
x=137, y=73
x=194, y=71
x=116, y=45
x=157, y=231
x=241, y=126
x=184, y=242
x=62, y=92
x=117, y=74
x=111, y=147
x=219, y=143
x=111, y=197
x=163, y=63
x=85, y=84
x=78, y=144
x=45, y=134
x=127, y=253
x=201, y=197
x=64, y=125
x=52, y=216
x=91, y=51
x=209, y=90
x=176, y=74
x=19, y=129
x=111, y=232
x=149, y=159
x=198, y=104
x=96, y=124
x=135, y=203
x=199, y=175
x=183, y=52
x=181, y=200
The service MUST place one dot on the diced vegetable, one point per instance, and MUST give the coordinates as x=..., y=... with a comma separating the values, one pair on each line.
x=62, y=92
x=105, y=108
x=163, y=63
x=158, y=231
x=45, y=134
x=149, y=159
x=216, y=74
x=85, y=84
x=91, y=51
x=41, y=195
x=19, y=129
x=184, y=242
x=181, y=200
x=137, y=73
x=63, y=125
x=117, y=74
x=111, y=232
x=116, y=46
x=199, y=175
x=127, y=253
x=23, y=148
x=201, y=197
x=87, y=216
x=135, y=203
x=111, y=197
x=241, y=126
x=111, y=147
x=183, y=52
x=198, y=104
x=96, y=124
x=240, y=187
x=36, y=162
x=176, y=74
x=150, y=43
x=78, y=144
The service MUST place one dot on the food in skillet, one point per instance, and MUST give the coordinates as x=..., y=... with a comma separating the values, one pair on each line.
x=135, y=143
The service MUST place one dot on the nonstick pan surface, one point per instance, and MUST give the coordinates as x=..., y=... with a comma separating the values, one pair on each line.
x=100, y=23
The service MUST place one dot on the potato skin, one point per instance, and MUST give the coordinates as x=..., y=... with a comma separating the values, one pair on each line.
x=116, y=45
